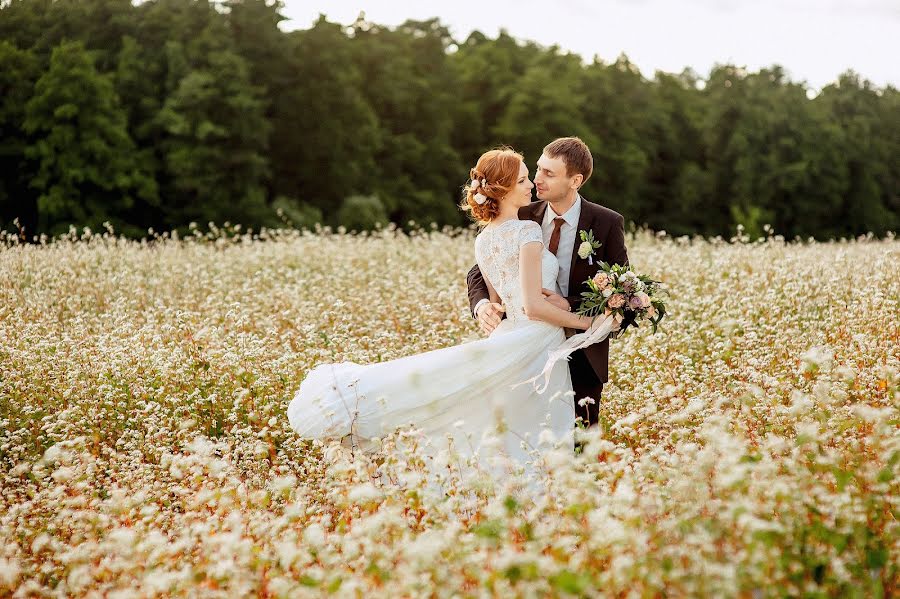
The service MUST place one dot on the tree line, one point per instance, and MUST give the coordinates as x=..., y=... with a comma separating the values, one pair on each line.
x=168, y=112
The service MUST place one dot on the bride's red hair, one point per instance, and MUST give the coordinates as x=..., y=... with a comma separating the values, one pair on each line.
x=500, y=169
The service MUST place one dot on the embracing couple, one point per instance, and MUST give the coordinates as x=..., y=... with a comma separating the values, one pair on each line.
x=531, y=263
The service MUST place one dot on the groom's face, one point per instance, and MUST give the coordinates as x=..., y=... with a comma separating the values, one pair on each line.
x=551, y=180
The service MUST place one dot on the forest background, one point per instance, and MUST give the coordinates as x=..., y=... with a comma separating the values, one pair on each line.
x=171, y=112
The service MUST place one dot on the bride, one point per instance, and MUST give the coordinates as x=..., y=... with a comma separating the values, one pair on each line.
x=466, y=394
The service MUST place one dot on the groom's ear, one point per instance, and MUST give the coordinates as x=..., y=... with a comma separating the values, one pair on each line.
x=577, y=180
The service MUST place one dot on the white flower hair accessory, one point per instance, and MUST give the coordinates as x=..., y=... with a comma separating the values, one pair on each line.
x=480, y=198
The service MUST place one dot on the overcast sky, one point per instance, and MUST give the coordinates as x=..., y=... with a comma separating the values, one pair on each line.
x=814, y=40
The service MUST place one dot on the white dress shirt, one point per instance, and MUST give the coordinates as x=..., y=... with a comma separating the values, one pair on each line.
x=567, y=234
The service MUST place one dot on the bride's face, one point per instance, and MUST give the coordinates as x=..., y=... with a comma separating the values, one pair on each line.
x=520, y=195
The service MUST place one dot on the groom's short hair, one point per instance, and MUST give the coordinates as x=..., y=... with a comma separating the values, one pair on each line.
x=574, y=153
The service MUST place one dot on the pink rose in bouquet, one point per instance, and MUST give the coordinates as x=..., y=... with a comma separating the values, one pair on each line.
x=616, y=301
x=601, y=280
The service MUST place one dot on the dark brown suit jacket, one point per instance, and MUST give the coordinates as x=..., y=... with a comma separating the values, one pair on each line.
x=609, y=229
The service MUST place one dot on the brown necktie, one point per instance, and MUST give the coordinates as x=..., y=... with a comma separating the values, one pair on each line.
x=554, y=237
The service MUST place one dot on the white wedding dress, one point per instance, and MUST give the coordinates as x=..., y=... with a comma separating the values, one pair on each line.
x=460, y=392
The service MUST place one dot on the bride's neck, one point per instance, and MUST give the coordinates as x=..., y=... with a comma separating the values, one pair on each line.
x=507, y=212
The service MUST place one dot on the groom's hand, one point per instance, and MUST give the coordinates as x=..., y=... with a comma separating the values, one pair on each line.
x=489, y=316
x=557, y=300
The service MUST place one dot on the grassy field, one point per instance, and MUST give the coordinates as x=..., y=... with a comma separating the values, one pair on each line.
x=749, y=449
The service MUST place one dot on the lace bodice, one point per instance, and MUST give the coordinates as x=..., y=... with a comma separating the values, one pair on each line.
x=497, y=254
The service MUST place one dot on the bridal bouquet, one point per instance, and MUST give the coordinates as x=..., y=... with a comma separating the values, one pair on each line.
x=617, y=298
x=629, y=298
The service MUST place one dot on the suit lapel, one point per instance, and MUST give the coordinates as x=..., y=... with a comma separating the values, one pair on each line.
x=585, y=221
x=534, y=211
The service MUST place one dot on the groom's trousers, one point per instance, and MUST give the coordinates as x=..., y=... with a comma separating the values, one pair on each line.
x=585, y=383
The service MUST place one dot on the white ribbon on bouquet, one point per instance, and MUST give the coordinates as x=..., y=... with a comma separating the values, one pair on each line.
x=602, y=327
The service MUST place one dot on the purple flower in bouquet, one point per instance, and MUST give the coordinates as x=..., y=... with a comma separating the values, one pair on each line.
x=644, y=299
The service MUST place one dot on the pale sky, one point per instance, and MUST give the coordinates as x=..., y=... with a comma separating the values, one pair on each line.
x=814, y=40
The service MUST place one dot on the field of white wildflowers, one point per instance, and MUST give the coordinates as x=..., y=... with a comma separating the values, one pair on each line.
x=750, y=449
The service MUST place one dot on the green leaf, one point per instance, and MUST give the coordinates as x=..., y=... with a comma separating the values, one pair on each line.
x=769, y=538
x=570, y=582
x=578, y=509
x=877, y=557
x=841, y=476
x=510, y=504
x=517, y=572
x=489, y=529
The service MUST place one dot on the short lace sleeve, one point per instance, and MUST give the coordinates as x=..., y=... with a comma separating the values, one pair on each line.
x=530, y=231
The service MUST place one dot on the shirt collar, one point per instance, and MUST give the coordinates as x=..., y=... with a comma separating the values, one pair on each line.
x=571, y=215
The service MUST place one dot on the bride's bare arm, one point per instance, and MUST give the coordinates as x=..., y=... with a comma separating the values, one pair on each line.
x=536, y=306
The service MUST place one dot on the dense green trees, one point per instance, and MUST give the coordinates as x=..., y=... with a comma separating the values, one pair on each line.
x=85, y=167
x=172, y=111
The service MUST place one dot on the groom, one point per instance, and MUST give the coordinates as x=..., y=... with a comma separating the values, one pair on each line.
x=562, y=213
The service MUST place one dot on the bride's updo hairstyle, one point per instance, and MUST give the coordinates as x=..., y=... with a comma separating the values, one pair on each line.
x=493, y=177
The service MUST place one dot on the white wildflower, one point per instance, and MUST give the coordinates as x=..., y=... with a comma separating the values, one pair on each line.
x=364, y=493
x=818, y=357
x=63, y=474
x=284, y=484
x=9, y=572
x=314, y=535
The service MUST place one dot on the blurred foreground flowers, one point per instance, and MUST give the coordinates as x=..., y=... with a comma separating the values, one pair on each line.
x=752, y=450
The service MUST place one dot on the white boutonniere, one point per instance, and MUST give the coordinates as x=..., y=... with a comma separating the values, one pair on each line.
x=588, y=246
